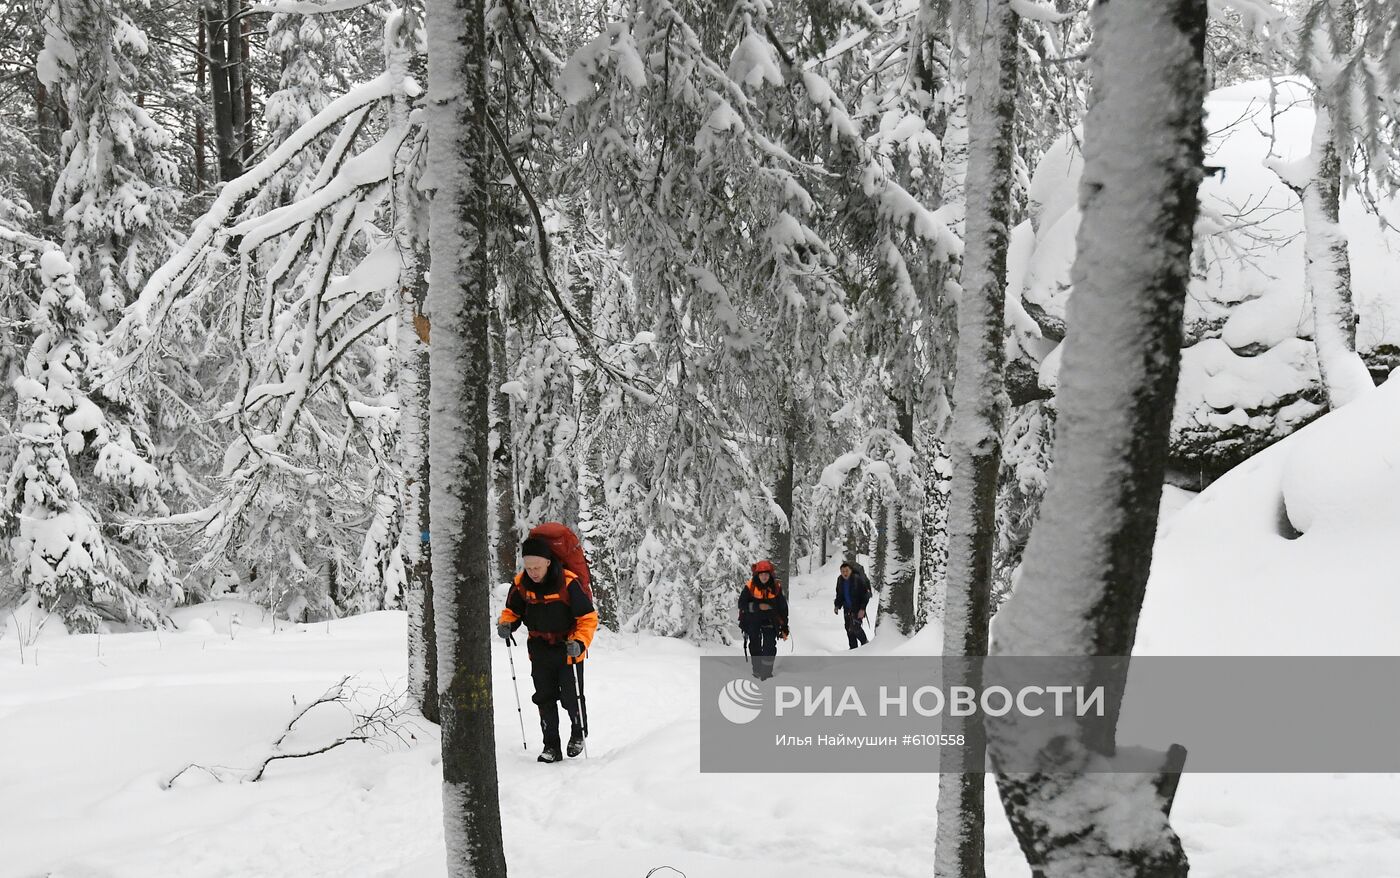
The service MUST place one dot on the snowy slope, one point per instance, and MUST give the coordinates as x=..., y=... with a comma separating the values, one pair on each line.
x=1291, y=553
x=1232, y=575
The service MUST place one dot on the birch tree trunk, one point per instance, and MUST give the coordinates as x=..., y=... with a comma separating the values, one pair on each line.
x=1085, y=570
x=412, y=385
x=459, y=302
x=979, y=406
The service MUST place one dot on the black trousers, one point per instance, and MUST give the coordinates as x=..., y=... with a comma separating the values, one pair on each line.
x=855, y=630
x=554, y=685
x=763, y=646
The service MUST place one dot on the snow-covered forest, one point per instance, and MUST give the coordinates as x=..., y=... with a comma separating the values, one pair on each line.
x=1064, y=324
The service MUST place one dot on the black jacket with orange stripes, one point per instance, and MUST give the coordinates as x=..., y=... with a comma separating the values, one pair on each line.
x=763, y=605
x=555, y=609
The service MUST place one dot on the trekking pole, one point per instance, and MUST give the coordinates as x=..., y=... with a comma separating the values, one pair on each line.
x=510, y=642
x=582, y=708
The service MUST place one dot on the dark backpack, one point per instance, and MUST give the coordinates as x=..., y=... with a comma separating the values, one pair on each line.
x=858, y=575
x=568, y=548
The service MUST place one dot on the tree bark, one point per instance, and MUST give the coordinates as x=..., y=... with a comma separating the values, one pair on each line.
x=413, y=385
x=245, y=67
x=933, y=532
x=233, y=55
x=979, y=408
x=852, y=541
x=783, y=496
x=459, y=303
x=879, y=541
x=1328, y=273
x=200, y=68
x=229, y=164
x=507, y=541
x=593, y=524
x=901, y=567
x=1086, y=568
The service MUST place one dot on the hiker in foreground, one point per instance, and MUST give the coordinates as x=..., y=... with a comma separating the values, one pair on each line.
x=763, y=616
x=554, y=604
x=852, y=597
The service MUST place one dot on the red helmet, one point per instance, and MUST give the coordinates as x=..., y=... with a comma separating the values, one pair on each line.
x=764, y=566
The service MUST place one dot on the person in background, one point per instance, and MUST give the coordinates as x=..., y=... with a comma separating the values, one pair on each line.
x=763, y=615
x=852, y=597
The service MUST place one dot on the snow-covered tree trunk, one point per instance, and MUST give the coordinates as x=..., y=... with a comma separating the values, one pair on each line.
x=1344, y=375
x=413, y=382
x=230, y=162
x=1328, y=274
x=933, y=532
x=879, y=547
x=900, y=565
x=932, y=71
x=459, y=303
x=593, y=501
x=783, y=496
x=417, y=525
x=979, y=405
x=1085, y=571
x=235, y=68
x=506, y=539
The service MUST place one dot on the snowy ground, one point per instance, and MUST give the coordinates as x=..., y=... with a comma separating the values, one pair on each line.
x=92, y=728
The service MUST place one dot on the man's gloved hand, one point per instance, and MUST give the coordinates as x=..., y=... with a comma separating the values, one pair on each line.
x=574, y=648
x=835, y=610
x=503, y=631
x=860, y=614
x=784, y=633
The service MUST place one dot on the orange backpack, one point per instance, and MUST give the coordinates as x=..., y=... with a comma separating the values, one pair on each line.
x=568, y=548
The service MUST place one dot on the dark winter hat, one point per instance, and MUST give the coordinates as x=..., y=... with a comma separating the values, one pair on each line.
x=537, y=547
x=848, y=564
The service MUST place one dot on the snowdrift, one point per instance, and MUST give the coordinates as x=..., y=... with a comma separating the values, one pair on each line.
x=1293, y=552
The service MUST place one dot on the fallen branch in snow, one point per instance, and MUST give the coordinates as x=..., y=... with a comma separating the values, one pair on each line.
x=387, y=717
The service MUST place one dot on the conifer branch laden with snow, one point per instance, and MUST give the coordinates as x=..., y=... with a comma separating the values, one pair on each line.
x=78, y=476
x=115, y=197
x=310, y=346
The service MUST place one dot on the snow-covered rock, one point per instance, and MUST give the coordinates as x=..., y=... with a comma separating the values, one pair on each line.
x=1291, y=553
x=1249, y=368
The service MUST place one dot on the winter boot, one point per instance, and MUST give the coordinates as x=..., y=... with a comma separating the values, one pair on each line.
x=575, y=742
x=550, y=754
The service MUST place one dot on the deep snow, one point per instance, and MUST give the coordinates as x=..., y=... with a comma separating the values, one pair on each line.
x=91, y=730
